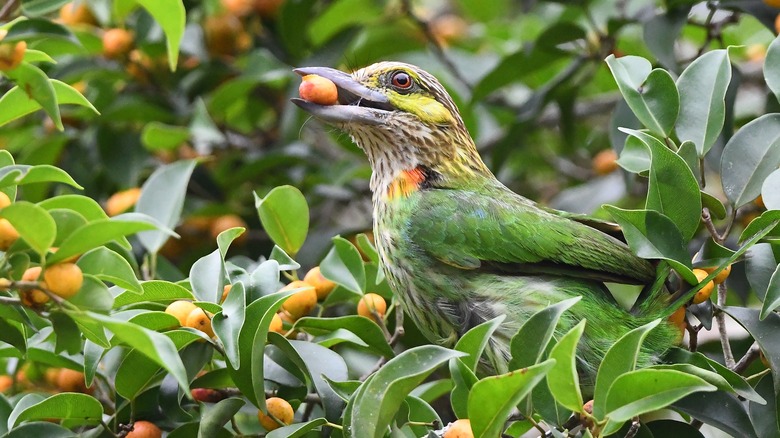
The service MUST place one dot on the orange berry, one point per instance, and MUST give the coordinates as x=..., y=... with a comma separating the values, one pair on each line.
x=267, y=8
x=11, y=55
x=722, y=275
x=5, y=201
x=239, y=8
x=226, y=291
x=605, y=162
x=371, y=303
x=64, y=279
x=756, y=52
x=8, y=234
x=227, y=222
x=117, y=42
x=302, y=302
x=199, y=319
x=276, y=324
x=279, y=408
x=322, y=285
x=6, y=382
x=76, y=14
x=459, y=429
x=122, y=201
x=772, y=3
x=704, y=293
x=207, y=395
x=33, y=297
x=71, y=381
x=144, y=429
x=50, y=376
x=319, y=90
x=181, y=310
x=222, y=34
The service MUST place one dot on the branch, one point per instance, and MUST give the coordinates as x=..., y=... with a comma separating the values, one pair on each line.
x=720, y=317
x=7, y=9
x=752, y=354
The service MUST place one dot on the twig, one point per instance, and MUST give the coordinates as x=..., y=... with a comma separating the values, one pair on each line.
x=720, y=317
x=693, y=337
x=752, y=354
x=706, y=217
x=634, y=429
x=8, y=8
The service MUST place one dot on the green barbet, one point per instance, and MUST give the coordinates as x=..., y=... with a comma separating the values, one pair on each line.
x=458, y=247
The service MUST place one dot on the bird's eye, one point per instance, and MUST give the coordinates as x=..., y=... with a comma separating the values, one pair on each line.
x=401, y=80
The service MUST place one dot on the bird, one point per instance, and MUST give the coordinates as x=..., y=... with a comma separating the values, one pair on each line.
x=459, y=248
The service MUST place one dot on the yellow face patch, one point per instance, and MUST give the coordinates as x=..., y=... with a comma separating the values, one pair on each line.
x=428, y=109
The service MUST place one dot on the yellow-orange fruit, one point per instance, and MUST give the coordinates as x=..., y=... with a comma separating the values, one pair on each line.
x=8, y=234
x=285, y=317
x=144, y=429
x=704, y=293
x=71, y=259
x=226, y=222
x=238, y=7
x=678, y=320
x=319, y=90
x=722, y=275
x=302, y=302
x=50, y=376
x=117, y=42
x=267, y=8
x=226, y=291
x=322, y=285
x=459, y=429
x=756, y=52
x=71, y=381
x=605, y=162
x=222, y=34
x=6, y=382
x=76, y=14
x=11, y=55
x=5, y=201
x=199, y=319
x=772, y=3
x=33, y=297
x=120, y=202
x=181, y=310
x=276, y=324
x=448, y=28
x=279, y=408
x=64, y=279
x=371, y=303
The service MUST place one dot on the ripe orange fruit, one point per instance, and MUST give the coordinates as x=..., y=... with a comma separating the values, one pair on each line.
x=222, y=34
x=207, y=395
x=238, y=8
x=678, y=320
x=704, y=293
x=199, y=319
x=6, y=382
x=276, y=324
x=459, y=429
x=33, y=297
x=64, y=279
x=756, y=52
x=11, y=55
x=370, y=303
x=302, y=302
x=71, y=381
x=117, y=42
x=181, y=310
x=5, y=201
x=448, y=28
x=605, y=162
x=319, y=90
x=722, y=275
x=226, y=291
x=267, y=8
x=80, y=14
x=120, y=202
x=227, y=222
x=777, y=24
x=71, y=259
x=772, y=3
x=322, y=285
x=279, y=408
x=8, y=234
x=144, y=429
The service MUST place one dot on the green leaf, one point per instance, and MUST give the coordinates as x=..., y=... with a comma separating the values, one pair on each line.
x=764, y=415
x=16, y=103
x=652, y=235
x=717, y=209
x=493, y=398
x=77, y=408
x=216, y=417
x=749, y=157
x=652, y=95
x=642, y=391
x=673, y=190
x=368, y=331
x=171, y=16
x=764, y=332
x=155, y=346
x=702, y=88
x=719, y=409
x=620, y=359
x=20, y=174
x=284, y=214
x=562, y=378
x=40, y=429
x=297, y=430
x=158, y=136
x=228, y=323
x=737, y=383
x=34, y=224
x=635, y=156
x=772, y=67
x=474, y=341
x=68, y=334
x=379, y=398
x=317, y=363
x=95, y=234
x=767, y=222
x=154, y=291
x=107, y=265
x=83, y=205
x=772, y=297
x=770, y=191
x=344, y=266
x=162, y=196
x=530, y=342
x=34, y=8
x=39, y=29
x=207, y=277
x=37, y=86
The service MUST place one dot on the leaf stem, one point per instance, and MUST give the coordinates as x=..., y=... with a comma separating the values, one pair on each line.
x=752, y=354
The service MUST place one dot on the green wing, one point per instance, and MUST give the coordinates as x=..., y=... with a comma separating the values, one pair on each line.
x=505, y=232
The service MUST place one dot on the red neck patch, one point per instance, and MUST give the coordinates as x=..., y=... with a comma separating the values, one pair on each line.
x=407, y=182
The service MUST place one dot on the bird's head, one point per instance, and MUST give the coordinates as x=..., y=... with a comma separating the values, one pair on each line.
x=403, y=119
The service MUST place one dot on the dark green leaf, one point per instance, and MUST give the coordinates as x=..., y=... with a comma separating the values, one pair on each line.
x=297, y=430
x=770, y=191
x=77, y=408
x=474, y=341
x=539, y=328
x=720, y=410
x=364, y=328
x=284, y=214
x=216, y=417
x=764, y=415
x=562, y=378
x=344, y=266
x=229, y=322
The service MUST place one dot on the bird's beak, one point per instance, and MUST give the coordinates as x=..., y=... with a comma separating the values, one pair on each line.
x=356, y=102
